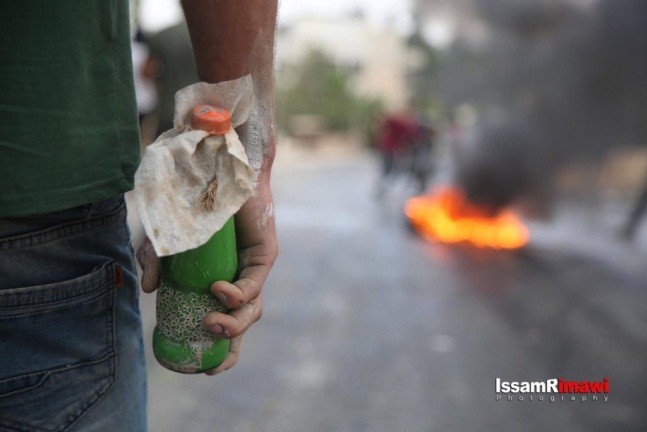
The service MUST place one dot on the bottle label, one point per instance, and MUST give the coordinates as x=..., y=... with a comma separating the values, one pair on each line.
x=179, y=316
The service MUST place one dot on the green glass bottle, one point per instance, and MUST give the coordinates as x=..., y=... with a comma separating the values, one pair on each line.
x=180, y=341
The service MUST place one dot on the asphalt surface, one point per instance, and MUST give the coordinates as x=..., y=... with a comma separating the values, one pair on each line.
x=366, y=327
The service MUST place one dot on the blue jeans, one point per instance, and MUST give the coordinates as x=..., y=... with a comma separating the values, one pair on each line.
x=71, y=351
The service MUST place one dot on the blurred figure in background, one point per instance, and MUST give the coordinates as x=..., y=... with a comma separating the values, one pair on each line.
x=144, y=88
x=171, y=66
x=145, y=92
x=635, y=216
x=397, y=134
x=421, y=155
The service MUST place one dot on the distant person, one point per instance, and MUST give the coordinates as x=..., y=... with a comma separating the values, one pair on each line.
x=635, y=215
x=397, y=133
x=172, y=66
x=145, y=92
x=421, y=155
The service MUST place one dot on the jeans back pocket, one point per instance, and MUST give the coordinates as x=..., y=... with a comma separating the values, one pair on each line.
x=57, y=355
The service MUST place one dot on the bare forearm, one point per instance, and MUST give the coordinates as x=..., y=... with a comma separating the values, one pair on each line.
x=231, y=39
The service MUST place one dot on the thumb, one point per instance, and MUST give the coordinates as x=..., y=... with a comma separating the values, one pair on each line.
x=150, y=264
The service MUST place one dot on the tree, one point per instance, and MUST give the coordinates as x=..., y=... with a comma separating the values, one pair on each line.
x=318, y=86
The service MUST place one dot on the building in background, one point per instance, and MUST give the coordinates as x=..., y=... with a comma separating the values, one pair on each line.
x=379, y=58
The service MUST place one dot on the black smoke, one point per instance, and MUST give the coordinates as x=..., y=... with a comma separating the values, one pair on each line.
x=554, y=81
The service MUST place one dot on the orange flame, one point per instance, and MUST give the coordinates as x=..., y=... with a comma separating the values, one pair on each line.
x=446, y=215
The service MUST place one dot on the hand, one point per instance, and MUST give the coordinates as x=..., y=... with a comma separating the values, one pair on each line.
x=257, y=251
x=257, y=248
x=150, y=264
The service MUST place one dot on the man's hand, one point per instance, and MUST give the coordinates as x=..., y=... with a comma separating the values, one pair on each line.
x=232, y=39
x=150, y=264
x=257, y=246
x=257, y=251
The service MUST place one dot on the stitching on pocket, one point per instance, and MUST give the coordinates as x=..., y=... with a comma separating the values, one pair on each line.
x=44, y=375
x=63, y=394
x=62, y=230
x=74, y=387
x=16, y=302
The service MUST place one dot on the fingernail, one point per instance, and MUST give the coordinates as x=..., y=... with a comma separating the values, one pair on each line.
x=222, y=298
x=217, y=329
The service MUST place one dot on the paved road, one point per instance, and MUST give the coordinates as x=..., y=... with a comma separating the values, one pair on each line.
x=368, y=328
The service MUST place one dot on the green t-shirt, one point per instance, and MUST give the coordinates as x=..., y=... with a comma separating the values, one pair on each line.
x=68, y=119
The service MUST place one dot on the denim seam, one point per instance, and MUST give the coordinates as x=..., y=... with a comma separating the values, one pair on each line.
x=129, y=234
x=49, y=295
x=7, y=426
x=51, y=372
x=111, y=331
x=63, y=230
x=54, y=305
x=98, y=395
x=110, y=357
x=77, y=415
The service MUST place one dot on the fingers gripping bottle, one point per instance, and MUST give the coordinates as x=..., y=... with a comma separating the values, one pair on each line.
x=180, y=342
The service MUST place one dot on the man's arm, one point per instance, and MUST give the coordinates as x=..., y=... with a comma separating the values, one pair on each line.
x=231, y=39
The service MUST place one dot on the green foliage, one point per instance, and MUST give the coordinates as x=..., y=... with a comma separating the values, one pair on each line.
x=317, y=86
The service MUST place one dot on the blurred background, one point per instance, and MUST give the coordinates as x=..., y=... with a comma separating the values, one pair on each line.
x=414, y=138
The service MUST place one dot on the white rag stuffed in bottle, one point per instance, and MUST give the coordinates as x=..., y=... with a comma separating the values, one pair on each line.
x=189, y=182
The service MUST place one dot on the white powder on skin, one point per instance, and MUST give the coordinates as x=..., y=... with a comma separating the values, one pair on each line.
x=258, y=132
x=267, y=215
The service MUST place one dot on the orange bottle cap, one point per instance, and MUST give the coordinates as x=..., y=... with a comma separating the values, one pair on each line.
x=212, y=119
